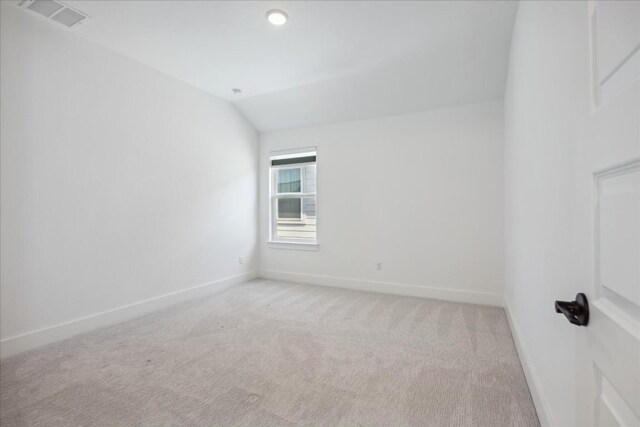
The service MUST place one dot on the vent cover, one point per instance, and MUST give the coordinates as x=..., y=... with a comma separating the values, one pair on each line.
x=55, y=10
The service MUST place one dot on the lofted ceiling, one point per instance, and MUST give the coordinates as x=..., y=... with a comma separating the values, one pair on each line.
x=333, y=60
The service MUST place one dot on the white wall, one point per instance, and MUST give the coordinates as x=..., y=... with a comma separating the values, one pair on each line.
x=549, y=128
x=119, y=185
x=423, y=193
x=544, y=91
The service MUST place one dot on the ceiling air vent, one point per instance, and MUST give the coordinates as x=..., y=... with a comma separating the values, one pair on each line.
x=55, y=10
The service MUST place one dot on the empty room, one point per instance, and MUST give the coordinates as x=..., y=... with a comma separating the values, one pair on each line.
x=331, y=213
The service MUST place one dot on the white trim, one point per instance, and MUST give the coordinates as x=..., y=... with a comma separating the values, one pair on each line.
x=294, y=196
x=288, y=244
x=283, y=154
x=403, y=289
x=540, y=401
x=27, y=341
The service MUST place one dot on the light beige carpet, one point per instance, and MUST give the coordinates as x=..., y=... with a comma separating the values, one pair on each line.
x=277, y=354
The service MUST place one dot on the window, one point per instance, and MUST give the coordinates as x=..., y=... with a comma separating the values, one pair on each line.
x=293, y=196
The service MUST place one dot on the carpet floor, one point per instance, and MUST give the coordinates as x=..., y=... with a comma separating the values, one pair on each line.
x=269, y=353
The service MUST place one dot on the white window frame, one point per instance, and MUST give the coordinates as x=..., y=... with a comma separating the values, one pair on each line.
x=281, y=243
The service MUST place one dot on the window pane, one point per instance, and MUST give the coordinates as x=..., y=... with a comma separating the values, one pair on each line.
x=289, y=181
x=310, y=178
x=301, y=227
x=289, y=208
x=309, y=207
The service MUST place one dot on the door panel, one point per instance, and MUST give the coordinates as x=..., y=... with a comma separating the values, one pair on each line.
x=611, y=409
x=616, y=43
x=618, y=231
x=608, y=360
x=615, y=351
x=618, y=34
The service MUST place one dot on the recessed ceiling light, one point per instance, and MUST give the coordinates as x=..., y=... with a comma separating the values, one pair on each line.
x=277, y=16
x=236, y=90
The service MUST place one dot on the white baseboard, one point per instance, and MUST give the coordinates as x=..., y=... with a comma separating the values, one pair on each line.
x=18, y=344
x=535, y=387
x=472, y=297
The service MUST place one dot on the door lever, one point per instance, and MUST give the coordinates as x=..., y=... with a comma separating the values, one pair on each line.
x=577, y=312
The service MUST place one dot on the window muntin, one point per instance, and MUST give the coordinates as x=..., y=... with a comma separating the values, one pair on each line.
x=293, y=197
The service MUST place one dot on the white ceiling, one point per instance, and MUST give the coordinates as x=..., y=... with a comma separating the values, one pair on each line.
x=333, y=61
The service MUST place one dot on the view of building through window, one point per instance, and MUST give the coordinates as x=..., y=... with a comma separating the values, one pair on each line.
x=293, y=197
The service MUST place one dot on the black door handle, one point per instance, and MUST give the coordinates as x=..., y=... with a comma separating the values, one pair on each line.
x=577, y=312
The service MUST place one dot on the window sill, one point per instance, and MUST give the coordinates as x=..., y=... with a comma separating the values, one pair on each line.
x=300, y=246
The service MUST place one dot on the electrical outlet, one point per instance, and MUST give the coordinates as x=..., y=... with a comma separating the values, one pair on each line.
x=379, y=265
x=240, y=260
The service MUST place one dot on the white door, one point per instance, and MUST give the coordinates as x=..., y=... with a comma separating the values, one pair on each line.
x=608, y=365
